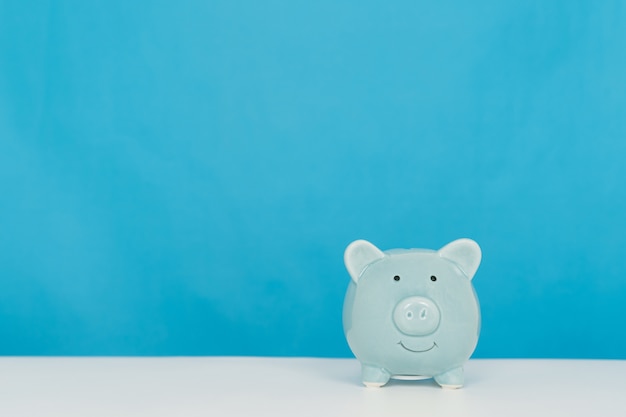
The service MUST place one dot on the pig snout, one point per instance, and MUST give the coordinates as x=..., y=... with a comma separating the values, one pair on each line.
x=416, y=316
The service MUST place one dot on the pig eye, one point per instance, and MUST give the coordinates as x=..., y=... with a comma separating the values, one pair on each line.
x=396, y=278
x=433, y=278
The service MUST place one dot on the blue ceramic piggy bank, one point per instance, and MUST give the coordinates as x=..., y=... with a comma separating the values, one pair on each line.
x=412, y=313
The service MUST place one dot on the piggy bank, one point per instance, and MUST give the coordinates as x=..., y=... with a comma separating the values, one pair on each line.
x=412, y=313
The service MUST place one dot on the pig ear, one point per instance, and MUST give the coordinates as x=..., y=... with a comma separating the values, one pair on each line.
x=465, y=253
x=358, y=255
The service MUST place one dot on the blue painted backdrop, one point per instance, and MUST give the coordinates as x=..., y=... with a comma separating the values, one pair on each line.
x=183, y=177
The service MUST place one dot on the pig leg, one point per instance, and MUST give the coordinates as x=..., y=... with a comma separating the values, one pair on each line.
x=374, y=376
x=452, y=379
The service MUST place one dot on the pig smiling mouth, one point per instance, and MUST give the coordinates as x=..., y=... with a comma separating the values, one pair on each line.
x=418, y=351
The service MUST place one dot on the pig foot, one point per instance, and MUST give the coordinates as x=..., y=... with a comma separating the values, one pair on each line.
x=374, y=376
x=452, y=379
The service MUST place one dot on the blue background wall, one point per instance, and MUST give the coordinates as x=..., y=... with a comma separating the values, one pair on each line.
x=183, y=177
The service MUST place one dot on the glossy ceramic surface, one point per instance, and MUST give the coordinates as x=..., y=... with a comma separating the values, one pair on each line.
x=412, y=312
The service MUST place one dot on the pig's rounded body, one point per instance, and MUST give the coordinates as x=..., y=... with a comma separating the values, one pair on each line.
x=412, y=312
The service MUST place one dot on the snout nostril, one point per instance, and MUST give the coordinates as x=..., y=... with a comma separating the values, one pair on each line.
x=423, y=314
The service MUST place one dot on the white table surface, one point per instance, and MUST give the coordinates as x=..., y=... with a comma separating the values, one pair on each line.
x=233, y=386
